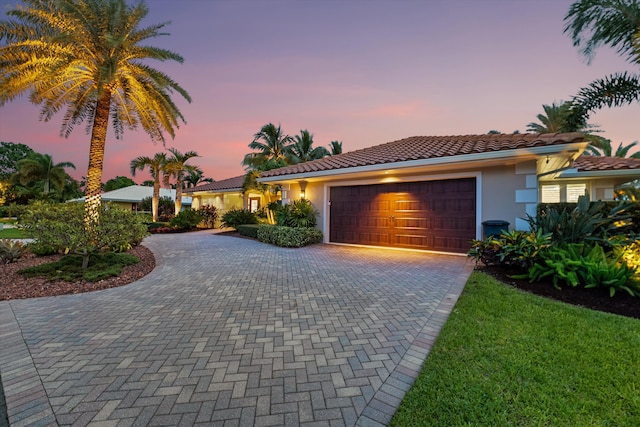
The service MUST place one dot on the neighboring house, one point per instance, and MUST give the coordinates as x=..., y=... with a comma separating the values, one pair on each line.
x=131, y=197
x=434, y=193
x=225, y=195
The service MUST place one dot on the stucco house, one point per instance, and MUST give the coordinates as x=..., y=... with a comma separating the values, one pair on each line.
x=131, y=197
x=225, y=194
x=434, y=192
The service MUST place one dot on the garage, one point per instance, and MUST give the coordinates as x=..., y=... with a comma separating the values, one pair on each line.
x=435, y=215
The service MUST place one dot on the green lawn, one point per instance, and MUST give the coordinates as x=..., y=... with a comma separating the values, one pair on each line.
x=509, y=358
x=13, y=233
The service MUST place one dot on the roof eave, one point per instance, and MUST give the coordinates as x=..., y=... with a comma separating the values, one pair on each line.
x=615, y=173
x=519, y=153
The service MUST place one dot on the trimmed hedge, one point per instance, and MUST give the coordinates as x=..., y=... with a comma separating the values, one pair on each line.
x=249, y=230
x=289, y=237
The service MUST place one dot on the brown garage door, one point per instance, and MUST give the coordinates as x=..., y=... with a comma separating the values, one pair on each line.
x=435, y=215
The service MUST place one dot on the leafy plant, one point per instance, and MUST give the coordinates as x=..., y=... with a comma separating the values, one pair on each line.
x=578, y=264
x=515, y=248
x=69, y=268
x=249, y=230
x=209, y=216
x=299, y=213
x=186, y=219
x=289, y=237
x=166, y=208
x=235, y=217
x=11, y=250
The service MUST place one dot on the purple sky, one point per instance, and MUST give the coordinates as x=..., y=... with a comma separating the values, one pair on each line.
x=363, y=72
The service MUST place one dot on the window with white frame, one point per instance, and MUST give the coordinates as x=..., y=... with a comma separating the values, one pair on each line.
x=550, y=193
x=574, y=191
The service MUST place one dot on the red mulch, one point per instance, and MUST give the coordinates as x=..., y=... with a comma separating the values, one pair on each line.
x=594, y=298
x=15, y=286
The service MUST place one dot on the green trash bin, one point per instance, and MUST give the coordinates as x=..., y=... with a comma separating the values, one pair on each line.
x=494, y=227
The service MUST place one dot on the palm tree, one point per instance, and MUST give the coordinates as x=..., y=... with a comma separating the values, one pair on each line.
x=176, y=167
x=86, y=57
x=272, y=145
x=40, y=167
x=302, y=149
x=156, y=169
x=335, y=147
x=604, y=148
x=592, y=23
x=195, y=177
x=554, y=119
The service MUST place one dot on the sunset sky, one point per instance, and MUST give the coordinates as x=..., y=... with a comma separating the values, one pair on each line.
x=362, y=72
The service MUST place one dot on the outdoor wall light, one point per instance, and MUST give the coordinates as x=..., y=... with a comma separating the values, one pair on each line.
x=303, y=188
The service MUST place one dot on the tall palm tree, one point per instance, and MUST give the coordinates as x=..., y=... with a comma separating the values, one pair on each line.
x=86, y=57
x=40, y=167
x=156, y=169
x=176, y=167
x=335, y=147
x=271, y=145
x=604, y=148
x=554, y=119
x=302, y=149
x=195, y=177
x=616, y=23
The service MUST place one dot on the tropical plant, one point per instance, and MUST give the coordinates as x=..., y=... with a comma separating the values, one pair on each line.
x=603, y=147
x=209, y=215
x=554, y=119
x=118, y=182
x=269, y=192
x=591, y=24
x=186, y=219
x=302, y=149
x=86, y=57
x=40, y=167
x=515, y=248
x=234, y=217
x=165, y=209
x=11, y=250
x=335, y=147
x=271, y=145
x=156, y=169
x=195, y=177
x=299, y=213
x=176, y=167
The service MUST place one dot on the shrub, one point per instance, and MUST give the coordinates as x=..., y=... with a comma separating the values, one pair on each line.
x=11, y=250
x=235, y=217
x=578, y=264
x=517, y=249
x=69, y=267
x=166, y=207
x=299, y=213
x=61, y=228
x=209, y=216
x=186, y=219
x=151, y=226
x=249, y=230
x=289, y=237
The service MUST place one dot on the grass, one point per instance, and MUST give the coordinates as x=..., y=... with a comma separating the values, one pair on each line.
x=510, y=358
x=13, y=233
x=69, y=267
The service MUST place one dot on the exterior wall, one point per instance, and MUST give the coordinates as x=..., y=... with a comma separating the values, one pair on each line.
x=222, y=201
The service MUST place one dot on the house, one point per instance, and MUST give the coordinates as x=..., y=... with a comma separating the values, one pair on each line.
x=131, y=197
x=434, y=193
x=225, y=195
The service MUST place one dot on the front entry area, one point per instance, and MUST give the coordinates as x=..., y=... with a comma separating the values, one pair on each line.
x=435, y=215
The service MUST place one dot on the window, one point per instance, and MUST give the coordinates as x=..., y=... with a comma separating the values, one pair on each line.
x=574, y=191
x=551, y=193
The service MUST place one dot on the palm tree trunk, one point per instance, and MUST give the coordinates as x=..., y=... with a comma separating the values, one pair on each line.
x=155, y=200
x=96, y=158
x=178, y=196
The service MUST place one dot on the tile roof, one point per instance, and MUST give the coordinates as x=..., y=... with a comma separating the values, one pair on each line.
x=135, y=194
x=234, y=183
x=596, y=163
x=427, y=147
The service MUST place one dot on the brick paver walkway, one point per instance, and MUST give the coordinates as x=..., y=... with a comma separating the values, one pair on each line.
x=232, y=332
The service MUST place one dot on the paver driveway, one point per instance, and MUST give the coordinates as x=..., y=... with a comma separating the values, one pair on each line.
x=229, y=331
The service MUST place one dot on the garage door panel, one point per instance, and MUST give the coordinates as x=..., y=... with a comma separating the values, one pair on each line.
x=436, y=215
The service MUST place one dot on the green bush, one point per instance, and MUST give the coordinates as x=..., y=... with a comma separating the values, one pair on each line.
x=515, y=248
x=289, y=237
x=578, y=264
x=299, y=213
x=61, y=228
x=186, y=219
x=209, y=216
x=166, y=207
x=234, y=217
x=69, y=267
x=249, y=230
x=154, y=225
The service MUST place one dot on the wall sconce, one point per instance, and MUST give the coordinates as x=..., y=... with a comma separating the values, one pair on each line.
x=303, y=188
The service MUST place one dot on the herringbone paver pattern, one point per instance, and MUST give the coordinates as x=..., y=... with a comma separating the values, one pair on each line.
x=232, y=332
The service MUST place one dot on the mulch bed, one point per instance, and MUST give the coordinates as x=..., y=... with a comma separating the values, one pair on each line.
x=15, y=286
x=594, y=298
